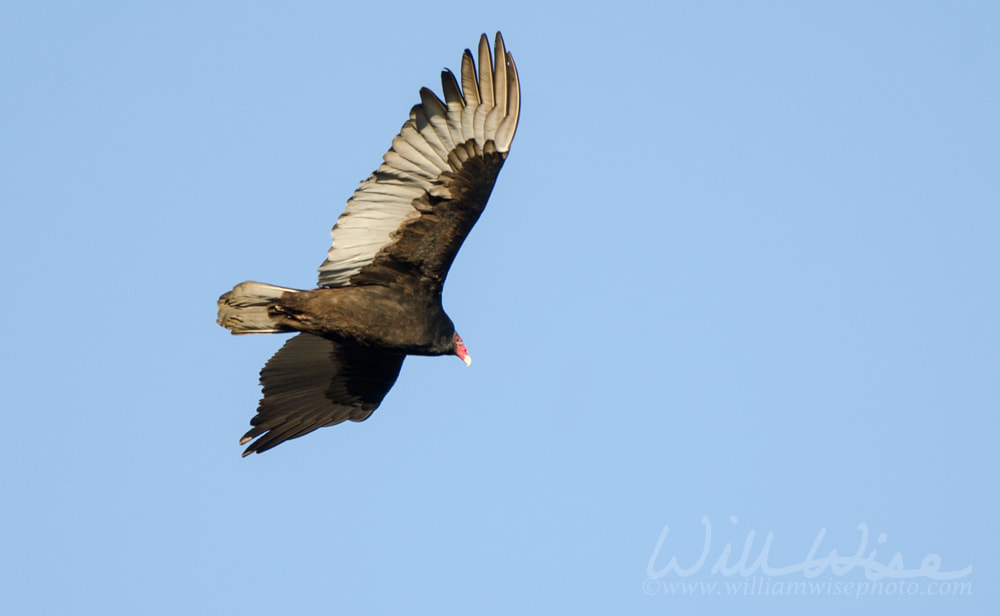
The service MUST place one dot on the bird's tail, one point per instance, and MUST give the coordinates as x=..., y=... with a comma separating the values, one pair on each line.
x=246, y=309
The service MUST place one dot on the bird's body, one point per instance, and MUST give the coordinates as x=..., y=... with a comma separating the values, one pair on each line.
x=380, y=287
x=358, y=315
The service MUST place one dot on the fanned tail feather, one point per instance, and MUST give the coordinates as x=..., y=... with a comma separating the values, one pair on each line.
x=244, y=310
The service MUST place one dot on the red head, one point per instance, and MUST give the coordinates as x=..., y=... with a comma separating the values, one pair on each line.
x=459, y=348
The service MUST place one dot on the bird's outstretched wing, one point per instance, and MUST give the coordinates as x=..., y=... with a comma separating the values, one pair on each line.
x=412, y=215
x=312, y=382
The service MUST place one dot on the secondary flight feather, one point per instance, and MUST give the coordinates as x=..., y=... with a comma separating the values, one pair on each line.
x=379, y=294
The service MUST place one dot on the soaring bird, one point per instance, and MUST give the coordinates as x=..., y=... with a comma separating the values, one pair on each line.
x=379, y=293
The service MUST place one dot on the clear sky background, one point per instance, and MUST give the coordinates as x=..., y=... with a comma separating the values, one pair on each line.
x=740, y=270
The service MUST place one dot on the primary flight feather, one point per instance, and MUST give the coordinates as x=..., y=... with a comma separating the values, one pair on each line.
x=379, y=295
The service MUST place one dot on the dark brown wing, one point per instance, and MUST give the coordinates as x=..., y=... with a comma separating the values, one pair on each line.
x=312, y=382
x=412, y=215
x=427, y=245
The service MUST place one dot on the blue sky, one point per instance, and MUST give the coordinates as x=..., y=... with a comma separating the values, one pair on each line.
x=739, y=273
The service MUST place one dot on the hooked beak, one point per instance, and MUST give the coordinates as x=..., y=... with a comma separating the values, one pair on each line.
x=461, y=351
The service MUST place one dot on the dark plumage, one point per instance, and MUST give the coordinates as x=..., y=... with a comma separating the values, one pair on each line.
x=380, y=287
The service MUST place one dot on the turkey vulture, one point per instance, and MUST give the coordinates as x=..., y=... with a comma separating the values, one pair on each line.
x=379, y=295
